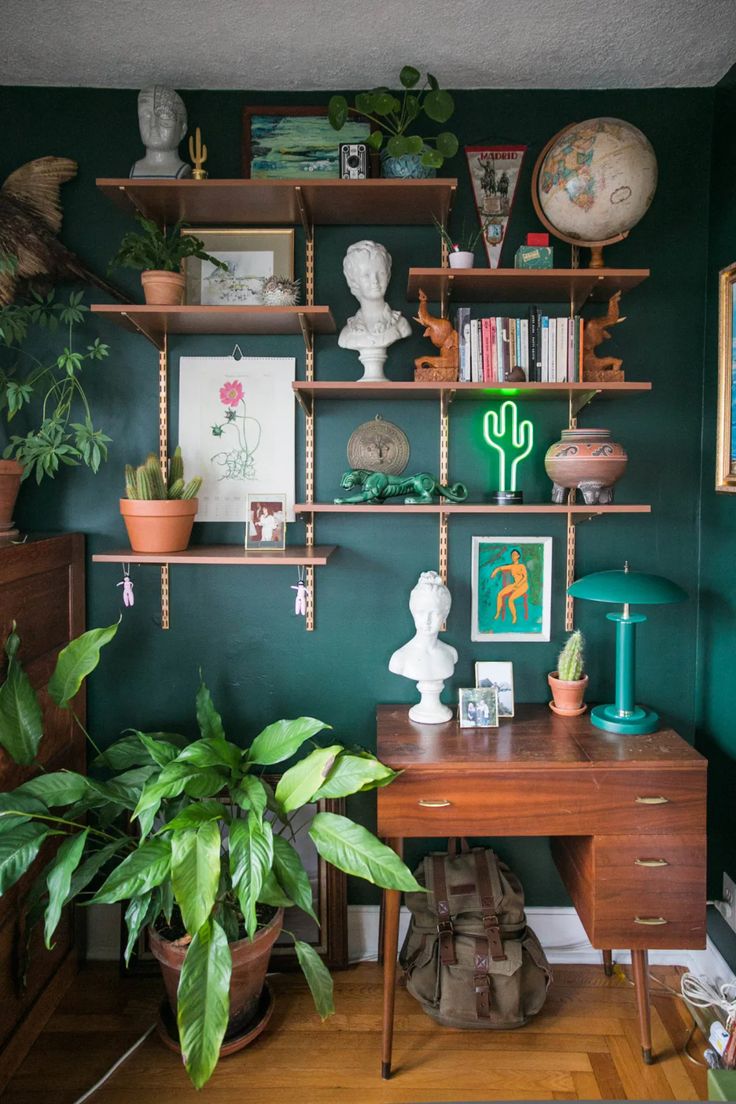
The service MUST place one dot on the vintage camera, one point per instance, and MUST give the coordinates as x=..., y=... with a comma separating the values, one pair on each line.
x=353, y=161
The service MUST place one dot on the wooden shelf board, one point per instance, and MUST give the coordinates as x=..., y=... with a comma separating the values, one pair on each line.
x=157, y=321
x=276, y=202
x=224, y=554
x=574, y=286
x=408, y=389
x=467, y=508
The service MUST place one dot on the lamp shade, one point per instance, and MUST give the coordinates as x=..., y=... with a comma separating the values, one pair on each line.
x=627, y=588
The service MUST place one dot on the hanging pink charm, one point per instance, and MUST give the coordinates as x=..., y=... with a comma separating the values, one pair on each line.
x=127, y=585
x=300, y=598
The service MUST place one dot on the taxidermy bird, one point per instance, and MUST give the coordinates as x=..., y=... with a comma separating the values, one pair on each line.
x=30, y=219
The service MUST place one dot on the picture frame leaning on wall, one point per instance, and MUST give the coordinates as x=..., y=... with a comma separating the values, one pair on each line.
x=726, y=435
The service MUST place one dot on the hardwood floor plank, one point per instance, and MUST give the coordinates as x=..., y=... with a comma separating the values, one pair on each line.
x=607, y=1078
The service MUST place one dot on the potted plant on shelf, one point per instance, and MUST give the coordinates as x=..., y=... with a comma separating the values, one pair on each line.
x=404, y=154
x=568, y=682
x=158, y=512
x=54, y=380
x=158, y=255
x=210, y=865
x=460, y=247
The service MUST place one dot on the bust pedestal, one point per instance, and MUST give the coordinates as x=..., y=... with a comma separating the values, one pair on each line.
x=373, y=361
x=429, y=709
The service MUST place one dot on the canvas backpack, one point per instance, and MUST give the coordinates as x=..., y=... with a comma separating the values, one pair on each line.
x=469, y=957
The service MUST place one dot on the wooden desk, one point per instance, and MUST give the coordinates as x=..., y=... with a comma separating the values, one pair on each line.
x=627, y=814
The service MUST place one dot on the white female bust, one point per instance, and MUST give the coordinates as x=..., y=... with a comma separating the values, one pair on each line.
x=425, y=658
x=162, y=119
x=367, y=268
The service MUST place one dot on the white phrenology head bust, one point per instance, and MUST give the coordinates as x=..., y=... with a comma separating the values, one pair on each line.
x=162, y=118
x=430, y=602
x=367, y=268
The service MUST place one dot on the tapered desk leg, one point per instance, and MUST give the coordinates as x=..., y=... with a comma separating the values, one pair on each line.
x=640, y=963
x=391, y=903
x=608, y=963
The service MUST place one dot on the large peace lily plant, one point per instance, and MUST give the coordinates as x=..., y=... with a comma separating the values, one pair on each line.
x=182, y=829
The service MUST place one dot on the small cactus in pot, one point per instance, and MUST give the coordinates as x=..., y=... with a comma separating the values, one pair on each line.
x=159, y=511
x=568, y=682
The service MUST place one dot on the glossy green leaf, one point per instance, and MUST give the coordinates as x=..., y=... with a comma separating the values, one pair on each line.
x=412, y=108
x=208, y=719
x=129, y=751
x=195, y=872
x=283, y=739
x=352, y=774
x=375, y=139
x=414, y=144
x=397, y=146
x=18, y=849
x=432, y=82
x=318, y=978
x=91, y=866
x=431, y=159
x=193, y=815
x=145, y=868
x=212, y=751
x=292, y=876
x=272, y=893
x=57, y=788
x=439, y=105
x=59, y=880
x=299, y=783
x=21, y=722
x=76, y=661
x=203, y=1002
x=337, y=112
x=383, y=103
x=447, y=144
x=352, y=848
x=170, y=783
x=409, y=76
x=250, y=793
x=205, y=781
x=124, y=790
x=364, y=103
x=140, y=912
x=251, y=854
x=22, y=804
x=160, y=751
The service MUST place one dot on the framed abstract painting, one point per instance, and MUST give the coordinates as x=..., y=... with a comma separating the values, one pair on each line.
x=726, y=439
x=280, y=143
x=511, y=589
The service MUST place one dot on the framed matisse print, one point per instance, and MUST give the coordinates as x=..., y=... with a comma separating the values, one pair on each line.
x=726, y=439
x=251, y=257
x=280, y=143
x=511, y=589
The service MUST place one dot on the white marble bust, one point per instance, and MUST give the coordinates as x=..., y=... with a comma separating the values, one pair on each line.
x=425, y=658
x=162, y=119
x=367, y=268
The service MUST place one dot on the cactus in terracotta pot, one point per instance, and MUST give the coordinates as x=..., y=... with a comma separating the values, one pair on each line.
x=568, y=682
x=159, y=510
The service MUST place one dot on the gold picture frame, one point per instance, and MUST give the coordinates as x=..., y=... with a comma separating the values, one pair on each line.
x=726, y=437
x=251, y=255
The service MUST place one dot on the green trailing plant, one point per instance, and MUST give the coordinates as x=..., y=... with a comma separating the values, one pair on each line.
x=570, y=659
x=392, y=117
x=49, y=383
x=466, y=241
x=190, y=835
x=154, y=249
x=147, y=482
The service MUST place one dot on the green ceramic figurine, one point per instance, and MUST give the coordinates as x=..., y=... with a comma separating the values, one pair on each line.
x=377, y=487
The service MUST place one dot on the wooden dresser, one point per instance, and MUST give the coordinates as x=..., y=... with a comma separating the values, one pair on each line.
x=626, y=813
x=42, y=589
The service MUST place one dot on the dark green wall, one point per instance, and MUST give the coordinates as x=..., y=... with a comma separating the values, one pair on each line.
x=716, y=736
x=238, y=625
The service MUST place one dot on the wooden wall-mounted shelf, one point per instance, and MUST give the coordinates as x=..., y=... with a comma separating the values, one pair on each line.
x=156, y=323
x=232, y=555
x=409, y=389
x=565, y=510
x=572, y=286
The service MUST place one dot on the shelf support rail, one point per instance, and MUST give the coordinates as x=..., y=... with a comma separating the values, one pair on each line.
x=570, y=571
x=309, y=577
x=163, y=456
x=446, y=398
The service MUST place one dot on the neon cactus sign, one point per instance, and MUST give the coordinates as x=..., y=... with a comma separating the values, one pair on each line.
x=513, y=440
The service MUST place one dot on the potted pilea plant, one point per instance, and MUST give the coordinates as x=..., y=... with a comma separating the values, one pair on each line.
x=158, y=255
x=192, y=837
x=568, y=682
x=405, y=154
x=460, y=247
x=158, y=512
x=54, y=381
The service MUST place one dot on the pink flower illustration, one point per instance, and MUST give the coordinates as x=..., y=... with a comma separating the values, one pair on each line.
x=231, y=393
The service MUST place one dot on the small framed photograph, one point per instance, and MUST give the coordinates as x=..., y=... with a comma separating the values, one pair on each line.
x=499, y=677
x=478, y=708
x=251, y=257
x=280, y=143
x=265, y=526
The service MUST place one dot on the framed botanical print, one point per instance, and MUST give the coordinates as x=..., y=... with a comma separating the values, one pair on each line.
x=251, y=257
x=726, y=439
x=511, y=589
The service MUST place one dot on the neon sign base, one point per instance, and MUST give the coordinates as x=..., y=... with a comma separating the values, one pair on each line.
x=507, y=498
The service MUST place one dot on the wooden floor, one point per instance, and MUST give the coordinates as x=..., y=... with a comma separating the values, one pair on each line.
x=583, y=1045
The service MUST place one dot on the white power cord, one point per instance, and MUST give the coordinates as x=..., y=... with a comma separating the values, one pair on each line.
x=702, y=993
x=118, y=1064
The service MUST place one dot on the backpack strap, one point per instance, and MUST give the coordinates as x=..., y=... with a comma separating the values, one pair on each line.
x=445, y=929
x=491, y=895
x=452, y=846
x=481, y=979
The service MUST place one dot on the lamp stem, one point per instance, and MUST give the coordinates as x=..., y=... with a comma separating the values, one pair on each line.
x=625, y=659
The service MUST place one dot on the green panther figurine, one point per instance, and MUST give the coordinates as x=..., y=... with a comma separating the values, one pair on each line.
x=377, y=486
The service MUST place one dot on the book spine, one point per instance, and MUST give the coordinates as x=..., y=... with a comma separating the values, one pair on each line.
x=525, y=361
x=571, y=330
x=533, y=338
x=492, y=346
x=512, y=346
x=486, y=344
x=460, y=324
x=561, y=354
x=499, y=347
x=505, y=348
x=544, y=370
x=477, y=376
x=552, y=370
x=580, y=351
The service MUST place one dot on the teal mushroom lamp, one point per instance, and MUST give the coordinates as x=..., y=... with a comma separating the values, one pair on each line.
x=630, y=588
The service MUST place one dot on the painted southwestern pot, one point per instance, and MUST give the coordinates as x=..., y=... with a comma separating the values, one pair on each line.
x=586, y=459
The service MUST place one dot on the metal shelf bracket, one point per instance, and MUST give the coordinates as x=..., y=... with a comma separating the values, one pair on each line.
x=159, y=344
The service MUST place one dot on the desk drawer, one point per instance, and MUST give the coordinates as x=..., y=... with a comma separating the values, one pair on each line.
x=538, y=803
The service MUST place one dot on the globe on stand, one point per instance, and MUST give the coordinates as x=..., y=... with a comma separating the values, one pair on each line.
x=593, y=182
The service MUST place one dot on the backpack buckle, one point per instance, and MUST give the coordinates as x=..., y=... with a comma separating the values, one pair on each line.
x=445, y=927
x=446, y=933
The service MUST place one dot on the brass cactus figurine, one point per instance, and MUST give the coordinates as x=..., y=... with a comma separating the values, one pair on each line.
x=198, y=155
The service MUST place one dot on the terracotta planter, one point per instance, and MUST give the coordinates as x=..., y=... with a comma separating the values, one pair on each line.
x=568, y=696
x=10, y=476
x=250, y=965
x=163, y=289
x=161, y=525
x=587, y=459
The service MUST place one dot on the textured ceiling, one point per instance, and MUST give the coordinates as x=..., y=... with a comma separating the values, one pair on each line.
x=312, y=44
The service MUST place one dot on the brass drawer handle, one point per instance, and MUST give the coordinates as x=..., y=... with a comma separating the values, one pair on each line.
x=651, y=921
x=427, y=804
x=652, y=801
x=651, y=862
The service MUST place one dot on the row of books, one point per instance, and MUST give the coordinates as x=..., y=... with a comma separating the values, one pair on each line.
x=498, y=349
